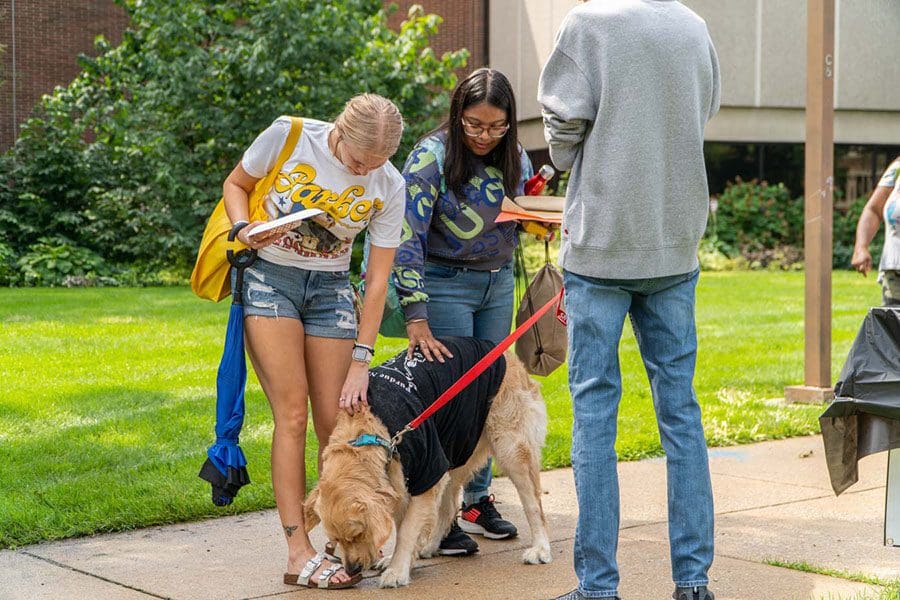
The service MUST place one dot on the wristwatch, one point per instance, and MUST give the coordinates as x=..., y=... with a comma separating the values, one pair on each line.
x=362, y=353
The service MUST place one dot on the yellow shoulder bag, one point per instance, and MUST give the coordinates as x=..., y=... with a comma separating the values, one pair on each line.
x=210, y=278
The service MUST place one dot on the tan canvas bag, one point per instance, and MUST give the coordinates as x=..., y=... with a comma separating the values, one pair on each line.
x=543, y=347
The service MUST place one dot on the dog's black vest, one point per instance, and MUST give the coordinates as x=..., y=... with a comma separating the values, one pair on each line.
x=400, y=389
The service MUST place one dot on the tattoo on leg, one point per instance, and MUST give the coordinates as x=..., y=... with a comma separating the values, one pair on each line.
x=290, y=529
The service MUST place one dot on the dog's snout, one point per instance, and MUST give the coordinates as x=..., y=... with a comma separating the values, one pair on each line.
x=353, y=568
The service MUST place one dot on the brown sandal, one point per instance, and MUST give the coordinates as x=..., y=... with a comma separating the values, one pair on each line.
x=324, y=579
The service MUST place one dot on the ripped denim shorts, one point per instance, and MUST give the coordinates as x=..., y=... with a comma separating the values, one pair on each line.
x=321, y=300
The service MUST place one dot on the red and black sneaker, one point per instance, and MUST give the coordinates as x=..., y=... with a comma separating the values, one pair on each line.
x=482, y=518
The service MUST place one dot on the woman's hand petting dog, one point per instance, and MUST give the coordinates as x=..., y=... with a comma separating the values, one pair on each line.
x=353, y=394
x=419, y=334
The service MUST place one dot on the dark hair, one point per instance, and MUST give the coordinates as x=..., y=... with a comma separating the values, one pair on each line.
x=482, y=85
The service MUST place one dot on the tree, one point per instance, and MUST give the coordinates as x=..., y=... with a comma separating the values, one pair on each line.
x=128, y=160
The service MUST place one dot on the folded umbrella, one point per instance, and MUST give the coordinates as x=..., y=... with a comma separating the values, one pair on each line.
x=225, y=467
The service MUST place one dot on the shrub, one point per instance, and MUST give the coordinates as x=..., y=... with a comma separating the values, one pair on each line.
x=780, y=258
x=764, y=225
x=56, y=261
x=753, y=217
x=713, y=259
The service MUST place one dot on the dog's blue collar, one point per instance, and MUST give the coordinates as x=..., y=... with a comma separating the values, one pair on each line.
x=369, y=439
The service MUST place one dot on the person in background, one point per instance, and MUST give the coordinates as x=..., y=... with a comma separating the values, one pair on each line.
x=301, y=330
x=626, y=94
x=883, y=204
x=454, y=273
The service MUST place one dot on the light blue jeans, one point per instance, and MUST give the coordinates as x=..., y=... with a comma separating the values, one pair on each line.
x=662, y=316
x=463, y=302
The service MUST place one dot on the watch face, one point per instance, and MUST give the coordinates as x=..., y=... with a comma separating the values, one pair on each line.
x=361, y=354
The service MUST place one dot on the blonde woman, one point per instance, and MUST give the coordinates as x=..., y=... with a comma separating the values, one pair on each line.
x=301, y=330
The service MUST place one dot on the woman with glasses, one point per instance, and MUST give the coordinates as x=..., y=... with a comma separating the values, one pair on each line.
x=453, y=271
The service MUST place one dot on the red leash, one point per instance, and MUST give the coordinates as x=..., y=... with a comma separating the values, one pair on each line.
x=478, y=368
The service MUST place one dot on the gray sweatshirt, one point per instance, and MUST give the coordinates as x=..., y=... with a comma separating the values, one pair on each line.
x=626, y=94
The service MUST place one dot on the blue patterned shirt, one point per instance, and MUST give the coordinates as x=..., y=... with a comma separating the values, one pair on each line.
x=444, y=228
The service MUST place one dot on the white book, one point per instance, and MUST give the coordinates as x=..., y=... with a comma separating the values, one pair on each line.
x=542, y=203
x=282, y=225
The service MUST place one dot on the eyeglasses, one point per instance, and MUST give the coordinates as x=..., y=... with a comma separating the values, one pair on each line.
x=496, y=132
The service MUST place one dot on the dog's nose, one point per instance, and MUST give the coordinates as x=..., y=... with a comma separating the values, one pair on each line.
x=353, y=568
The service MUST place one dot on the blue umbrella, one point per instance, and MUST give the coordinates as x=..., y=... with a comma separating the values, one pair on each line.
x=226, y=466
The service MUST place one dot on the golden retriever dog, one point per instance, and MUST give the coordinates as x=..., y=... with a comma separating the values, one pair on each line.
x=362, y=491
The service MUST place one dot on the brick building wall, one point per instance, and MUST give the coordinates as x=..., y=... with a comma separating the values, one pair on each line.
x=49, y=35
x=465, y=26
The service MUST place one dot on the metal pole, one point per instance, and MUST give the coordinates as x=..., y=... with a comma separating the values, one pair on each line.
x=819, y=197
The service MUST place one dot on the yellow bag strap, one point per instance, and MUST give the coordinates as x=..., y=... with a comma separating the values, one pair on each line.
x=289, y=144
x=265, y=184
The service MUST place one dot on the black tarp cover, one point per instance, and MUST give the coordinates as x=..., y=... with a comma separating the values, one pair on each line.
x=864, y=417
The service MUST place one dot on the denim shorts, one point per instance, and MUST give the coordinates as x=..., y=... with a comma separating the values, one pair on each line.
x=321, y=300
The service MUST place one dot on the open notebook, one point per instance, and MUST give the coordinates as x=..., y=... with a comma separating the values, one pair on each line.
x=545, y=209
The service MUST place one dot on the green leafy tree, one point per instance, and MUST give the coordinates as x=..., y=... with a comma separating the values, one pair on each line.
x=128, y=160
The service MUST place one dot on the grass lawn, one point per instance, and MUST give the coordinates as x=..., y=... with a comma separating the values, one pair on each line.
x=109, y=396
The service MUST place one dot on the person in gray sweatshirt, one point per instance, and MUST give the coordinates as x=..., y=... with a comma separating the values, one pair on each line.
x=626, y=95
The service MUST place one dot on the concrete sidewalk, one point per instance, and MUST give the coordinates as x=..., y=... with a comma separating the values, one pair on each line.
x=773, y=502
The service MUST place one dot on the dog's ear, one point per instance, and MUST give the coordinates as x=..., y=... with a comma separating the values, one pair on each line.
x=381, y=523
x=389, y=495
x=357, y=520
x=310, y=514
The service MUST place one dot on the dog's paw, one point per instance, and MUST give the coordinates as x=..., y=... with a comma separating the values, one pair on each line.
x=537, y=555
x=430, y=551
x=382, y=563
x=392, y=578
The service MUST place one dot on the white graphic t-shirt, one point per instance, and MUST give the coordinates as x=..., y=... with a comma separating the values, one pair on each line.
x=890, y=256
x=312, y=177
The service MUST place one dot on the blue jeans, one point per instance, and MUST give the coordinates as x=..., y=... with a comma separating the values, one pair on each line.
x=463, y=302
x=662, y=316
